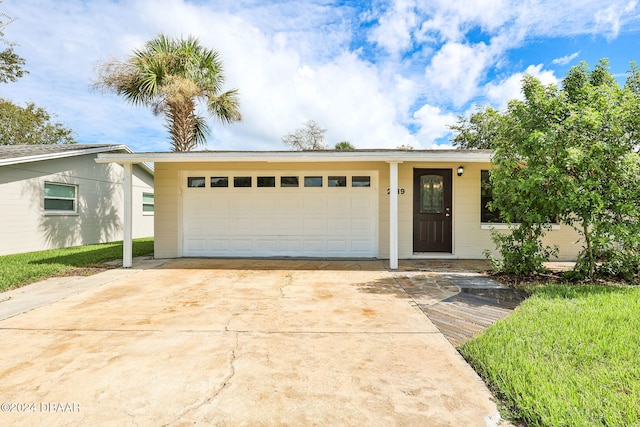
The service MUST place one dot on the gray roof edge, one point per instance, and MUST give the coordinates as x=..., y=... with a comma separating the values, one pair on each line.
x=301, y=156
x=82, y=149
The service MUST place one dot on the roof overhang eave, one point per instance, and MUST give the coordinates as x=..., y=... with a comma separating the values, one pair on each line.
x=469, y=156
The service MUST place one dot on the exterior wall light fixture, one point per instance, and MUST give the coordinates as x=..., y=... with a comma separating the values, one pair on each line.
x=460, y=170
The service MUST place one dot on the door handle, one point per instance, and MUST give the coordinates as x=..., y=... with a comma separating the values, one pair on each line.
x=447, y=212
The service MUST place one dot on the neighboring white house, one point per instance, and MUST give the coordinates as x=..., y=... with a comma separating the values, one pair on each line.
x=54, y=196
x=345, y=204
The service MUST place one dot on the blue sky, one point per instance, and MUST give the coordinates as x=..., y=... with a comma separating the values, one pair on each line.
x=378, y=74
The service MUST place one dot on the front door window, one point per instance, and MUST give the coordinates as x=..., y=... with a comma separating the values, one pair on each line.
x=431, y=194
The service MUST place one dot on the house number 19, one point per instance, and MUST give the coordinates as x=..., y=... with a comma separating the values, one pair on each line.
x=400, y=191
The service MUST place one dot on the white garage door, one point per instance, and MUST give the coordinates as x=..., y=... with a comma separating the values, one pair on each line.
x=287, y=214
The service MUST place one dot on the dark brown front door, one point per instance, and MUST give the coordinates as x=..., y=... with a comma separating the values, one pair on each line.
x=432, y=213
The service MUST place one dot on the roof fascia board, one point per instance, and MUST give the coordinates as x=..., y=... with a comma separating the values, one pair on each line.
x=266, y=157
x=63, y=154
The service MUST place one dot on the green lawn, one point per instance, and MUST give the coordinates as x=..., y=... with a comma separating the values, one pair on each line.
x=21, y=269
x=568, y=356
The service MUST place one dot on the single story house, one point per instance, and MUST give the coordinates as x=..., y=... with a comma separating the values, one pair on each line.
x=55, y=196
x=386, y=204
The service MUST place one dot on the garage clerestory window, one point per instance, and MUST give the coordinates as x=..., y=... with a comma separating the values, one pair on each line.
x=242, y=181
x=196, y=182
x=289, y=181
x=337, y=181
x=219, y=181
x=313, y=181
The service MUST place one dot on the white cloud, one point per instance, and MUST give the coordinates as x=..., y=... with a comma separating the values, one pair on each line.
x=456, y=71
x=564, y=60
x=371, y=74
x=433, y=124
x=394, y=29
x=610, y=20
x=501, y=92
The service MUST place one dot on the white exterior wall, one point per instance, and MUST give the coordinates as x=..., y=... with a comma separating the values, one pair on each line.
x=25, y=226
x=470, y=237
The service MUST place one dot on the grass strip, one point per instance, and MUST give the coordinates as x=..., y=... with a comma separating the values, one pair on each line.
x=568, y=356
x=21, y=269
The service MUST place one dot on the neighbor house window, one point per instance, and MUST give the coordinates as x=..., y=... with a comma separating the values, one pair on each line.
x=60, y=198
x=196, y=181
x=486, y=197
x=361, y=181
x=337, y=181
x=242, y=181
x=219, y=181
x=147, y=203
x=266, y=181
x=288, y=181
x=313, y=181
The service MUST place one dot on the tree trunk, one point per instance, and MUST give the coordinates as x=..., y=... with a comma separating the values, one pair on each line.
x=590, y=256
x=181, y=122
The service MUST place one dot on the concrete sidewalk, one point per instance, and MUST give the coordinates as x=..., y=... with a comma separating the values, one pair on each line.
x=235, y=342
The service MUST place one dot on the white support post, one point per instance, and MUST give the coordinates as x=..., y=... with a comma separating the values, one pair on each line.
x=127, y=238
x=393, y=215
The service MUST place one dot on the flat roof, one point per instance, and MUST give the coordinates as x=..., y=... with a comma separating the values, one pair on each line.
x=392, y=156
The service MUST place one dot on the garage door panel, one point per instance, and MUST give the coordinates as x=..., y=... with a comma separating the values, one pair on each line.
x=242, y=226
x=314, y=246
x=338, y=203
x=291, y=221
x=288, y=246
x=314, y=203
x=290, y=225
x=360, y=224
x=360, y=203
x=340, y=245
x=314, y=225
x=242, y=245
x=241, y=203
x=265, y=245
x=263, y=224
x=340, y=225
x=290, y=202
x=220, y=246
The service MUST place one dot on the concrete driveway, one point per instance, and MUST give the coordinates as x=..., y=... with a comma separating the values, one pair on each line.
x=235, y=343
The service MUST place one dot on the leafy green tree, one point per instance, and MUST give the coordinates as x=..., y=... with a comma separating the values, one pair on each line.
x=570, y=154
x=345, y=146
x=30, y=125
x=172, y=76
x=478, y=131
x=308, y=137
x=11, y=64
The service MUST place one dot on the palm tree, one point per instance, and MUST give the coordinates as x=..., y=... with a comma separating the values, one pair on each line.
x=172, y=76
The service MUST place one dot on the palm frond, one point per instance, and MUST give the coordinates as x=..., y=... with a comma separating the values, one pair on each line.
x=225, y=107
x=170, y=75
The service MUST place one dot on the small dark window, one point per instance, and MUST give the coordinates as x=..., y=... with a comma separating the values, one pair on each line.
x=486, y=197
x=289, y=181
x=219, y=181
x=337, y=181
x=361, y=181
x=196, y=181
x=313, y=181
x=266, y=181
x=242, y=181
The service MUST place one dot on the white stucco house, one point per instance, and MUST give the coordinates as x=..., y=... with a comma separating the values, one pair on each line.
x=386, y=204
x=54, y=196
